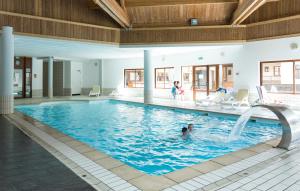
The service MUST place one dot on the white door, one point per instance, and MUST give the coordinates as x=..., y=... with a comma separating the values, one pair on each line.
x=76, y=76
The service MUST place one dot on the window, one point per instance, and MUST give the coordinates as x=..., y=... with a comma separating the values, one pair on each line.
x=282, y=77
x=267, y=69
x=164, y=77
x=276, y=70
x=134, y=78
x=187, y=77
x=227, y=81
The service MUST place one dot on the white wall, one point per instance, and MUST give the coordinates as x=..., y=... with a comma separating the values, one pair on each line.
x=246, y=61
x=113, y=69
x=253, y=53
x=91, y=73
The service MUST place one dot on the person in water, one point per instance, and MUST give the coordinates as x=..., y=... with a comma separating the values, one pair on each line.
x=185, y=132
x=190, y=127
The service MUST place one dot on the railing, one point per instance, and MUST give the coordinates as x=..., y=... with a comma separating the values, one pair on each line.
x=290, y=125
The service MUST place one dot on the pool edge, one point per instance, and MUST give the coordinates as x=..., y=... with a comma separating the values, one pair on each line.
x=164, y=181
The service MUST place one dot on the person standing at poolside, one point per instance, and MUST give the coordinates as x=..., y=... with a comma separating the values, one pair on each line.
x=174, y=89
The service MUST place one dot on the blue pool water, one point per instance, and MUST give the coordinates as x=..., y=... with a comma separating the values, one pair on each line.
x=148, y=138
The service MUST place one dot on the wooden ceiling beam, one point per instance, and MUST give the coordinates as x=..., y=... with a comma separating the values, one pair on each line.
x=143, y=3
x=245, y=9
x=112, y=8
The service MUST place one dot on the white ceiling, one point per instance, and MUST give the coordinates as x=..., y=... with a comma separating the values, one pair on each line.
x=43, y=47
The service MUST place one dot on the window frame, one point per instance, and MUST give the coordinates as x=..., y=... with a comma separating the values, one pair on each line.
x=278, y=72
x=135, y=72
x=280, y=61
x=225, y=75
x=182, y=75
x=155, y=81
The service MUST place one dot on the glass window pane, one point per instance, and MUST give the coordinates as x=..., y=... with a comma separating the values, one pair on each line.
x=164, y=77
x=129, y=78
x=134, y=78
x=160, y=78
x=187, y=77
x=227, y=76
x=212, y=78
x=278, y=78
x=200, y=78
x=18, y=82
x=297, y=77
x=169, y=77
x=139, y=77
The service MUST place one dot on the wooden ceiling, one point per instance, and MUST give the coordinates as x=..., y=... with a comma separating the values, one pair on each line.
x=172, y=14
x=178, y=13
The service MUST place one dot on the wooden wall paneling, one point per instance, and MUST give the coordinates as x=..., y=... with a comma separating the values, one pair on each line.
x=183, y=35
x=278, y=29
x=69, y=10
x=143, y=3
x=55, y=29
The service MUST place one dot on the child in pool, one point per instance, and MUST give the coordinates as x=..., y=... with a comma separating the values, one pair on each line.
x=185, y=132
x=190, y=127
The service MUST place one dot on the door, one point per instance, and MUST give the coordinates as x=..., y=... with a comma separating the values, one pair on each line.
x=22, y=77
x=205, y=80
x=76, y=78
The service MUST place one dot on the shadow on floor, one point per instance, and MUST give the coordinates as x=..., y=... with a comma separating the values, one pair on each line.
x=26, y=166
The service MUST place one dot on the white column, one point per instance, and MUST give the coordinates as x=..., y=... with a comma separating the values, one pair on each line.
x=6, y=70
x=50, y=77
x=148, y=77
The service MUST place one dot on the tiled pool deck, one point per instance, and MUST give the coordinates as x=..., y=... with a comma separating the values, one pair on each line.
x=261, y=167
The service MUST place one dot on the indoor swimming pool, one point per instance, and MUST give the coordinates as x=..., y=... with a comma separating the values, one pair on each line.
x=148, y=138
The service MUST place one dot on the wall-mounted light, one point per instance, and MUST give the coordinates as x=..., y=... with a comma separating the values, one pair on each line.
x=194, y=22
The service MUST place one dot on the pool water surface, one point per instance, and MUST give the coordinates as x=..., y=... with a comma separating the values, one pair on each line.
x=148, y=138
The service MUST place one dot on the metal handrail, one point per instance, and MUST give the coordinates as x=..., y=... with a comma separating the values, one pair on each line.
x=290, y=125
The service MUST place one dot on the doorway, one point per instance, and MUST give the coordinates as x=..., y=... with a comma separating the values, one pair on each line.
x=205, y=80
x=22, y=77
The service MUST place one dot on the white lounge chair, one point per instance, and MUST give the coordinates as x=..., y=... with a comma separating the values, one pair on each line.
x=240, y=99
x=96, y=91
x=264, y=97
x=217, y=98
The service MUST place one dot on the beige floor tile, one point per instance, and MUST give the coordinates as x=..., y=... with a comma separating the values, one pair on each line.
x=74, y=143
x=126, y=172
x=183, y=175
x=83, y=148
x=227, y=159
x=273, y=142
x=95, y=155
x=206, y=166
x=65, y=139
x=244, y=153
x=152, y=183
x=260, y=148
x=109, y=163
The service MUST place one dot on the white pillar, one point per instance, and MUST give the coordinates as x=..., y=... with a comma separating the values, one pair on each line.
x=6, y=70
x=50, y=77
x=148, y=77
